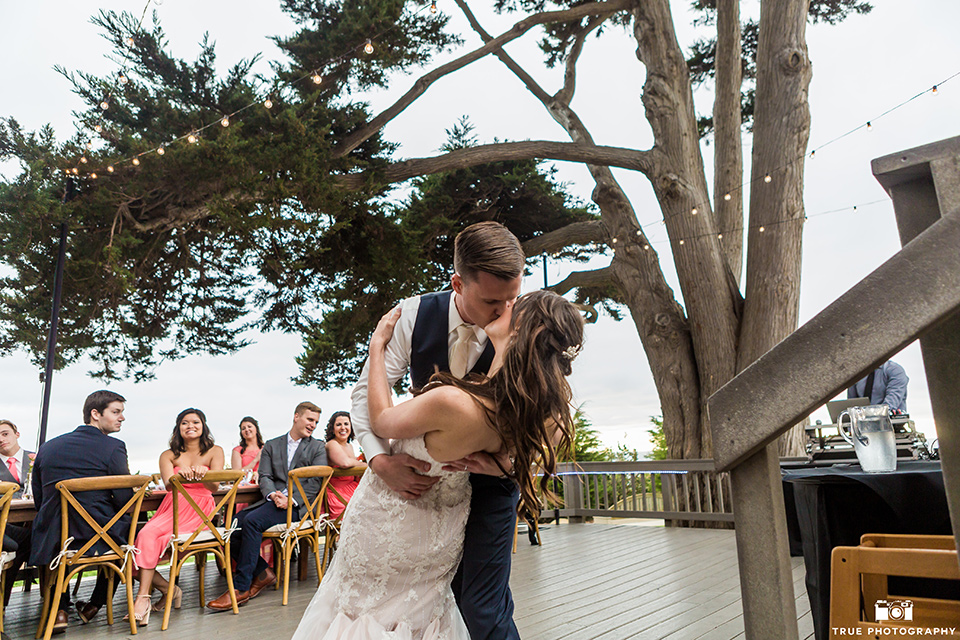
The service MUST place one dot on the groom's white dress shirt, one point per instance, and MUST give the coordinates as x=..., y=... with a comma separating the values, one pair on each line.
x=397, y=359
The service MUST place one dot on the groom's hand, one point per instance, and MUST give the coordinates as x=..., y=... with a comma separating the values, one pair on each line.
x=402, y=474
x=482, y=463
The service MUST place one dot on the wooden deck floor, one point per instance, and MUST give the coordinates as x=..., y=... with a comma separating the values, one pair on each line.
x=612, y=580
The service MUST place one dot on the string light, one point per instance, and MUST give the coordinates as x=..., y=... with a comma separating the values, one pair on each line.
x=727, y=196
x=934, y=90
x=693, y=211
x=136, y=162
x=225, y=121
x=268, y=103
x=368, y=47
x=869, y=126
x=89, y=145
x=681, y=242
x=433, y=6
x=719, y=236
x=767, y=178
x=813, y=154
x=639, y=232
x=83, y=159
x=98, y=128
x=75, y=171
x=110, y=168
x=761, y=229
x=192, y=138
x=122, y=79
x=160, y=150
x=93, y=175
x=646, y=247
x=614, y=241
x=104, y=104
x=317, y=78
x=129, y=41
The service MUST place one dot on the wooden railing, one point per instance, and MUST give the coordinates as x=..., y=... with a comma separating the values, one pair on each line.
x=675, y=490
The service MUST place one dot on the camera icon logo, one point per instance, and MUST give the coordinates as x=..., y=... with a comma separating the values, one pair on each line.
x=893, y=610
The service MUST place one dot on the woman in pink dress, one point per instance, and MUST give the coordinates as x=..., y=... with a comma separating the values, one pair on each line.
x=340, y=454
x=191, y=454
x=246, y=455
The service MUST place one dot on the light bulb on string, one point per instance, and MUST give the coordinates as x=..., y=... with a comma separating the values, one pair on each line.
x=368, y=47
x=694, y=211
x=161, y=150
x=122, y=78
x=104, y=104
x=89, y=145
x=93, y=175
x=934, y=90
x=129, y=41
x=268, y=103
x=727, y=196
x=192, y=138
x=869, y=126
x=646, y=247
x=98, y=128
x=681, y=242
x=75, y=171
x=110, y=168
x=83, y=159
x=719, y=236
x=136, y=162
x=614, y=241
x=225, y=121
x=767, y=178
x=639, y=232
x=433, y=6
x=317, y=78
x=761, y=229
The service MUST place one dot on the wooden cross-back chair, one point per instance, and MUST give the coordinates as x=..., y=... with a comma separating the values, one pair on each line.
x=332, y=536
x=69, y=562
x=7, y=489
x=206, y=538
x=308, y=527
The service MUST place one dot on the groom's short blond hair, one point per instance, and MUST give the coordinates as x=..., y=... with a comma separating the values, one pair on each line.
x=488, y=247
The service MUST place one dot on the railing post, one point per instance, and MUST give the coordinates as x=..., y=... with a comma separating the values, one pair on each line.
x=766, y=576
x=572, y=496
x=924, y=184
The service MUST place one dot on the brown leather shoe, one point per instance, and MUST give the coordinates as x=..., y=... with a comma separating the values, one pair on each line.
x=223, y=602
x=258, y=585
x=60, y=625
x=86, y=611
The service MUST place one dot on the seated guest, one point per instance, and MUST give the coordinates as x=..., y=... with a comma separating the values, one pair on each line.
x=88, y=451
x=887, y=384
x=290, y=451
x=340, y=454
x=15, y=467
x=246, y=455
x=191, y=454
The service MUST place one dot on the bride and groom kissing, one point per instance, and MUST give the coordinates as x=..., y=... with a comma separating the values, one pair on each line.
x=425, y=546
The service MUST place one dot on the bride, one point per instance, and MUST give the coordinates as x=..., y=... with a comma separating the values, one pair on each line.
x=391, y=575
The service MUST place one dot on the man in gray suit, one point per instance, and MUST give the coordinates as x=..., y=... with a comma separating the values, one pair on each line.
x=292, y=450
x=14, y=468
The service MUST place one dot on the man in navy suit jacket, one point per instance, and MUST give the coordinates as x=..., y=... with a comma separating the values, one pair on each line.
x=86, y=452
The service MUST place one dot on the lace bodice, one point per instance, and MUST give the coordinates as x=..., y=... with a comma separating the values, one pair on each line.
x=396, y=559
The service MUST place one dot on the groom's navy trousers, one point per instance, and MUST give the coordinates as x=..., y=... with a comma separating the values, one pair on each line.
x=482, y=582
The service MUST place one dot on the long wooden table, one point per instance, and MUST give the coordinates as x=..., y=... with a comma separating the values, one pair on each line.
x=26, y=511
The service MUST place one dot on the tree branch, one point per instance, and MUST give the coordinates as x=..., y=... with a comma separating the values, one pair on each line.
x=565, y=95
x=576, y=233
x=355, y=139
x=595, y=278
x=505, y=151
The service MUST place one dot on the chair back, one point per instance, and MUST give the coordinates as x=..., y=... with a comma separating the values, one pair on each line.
x=332, y=490
x=7, y=491
x=68, y=501
x=225, y=504
x=312, y=508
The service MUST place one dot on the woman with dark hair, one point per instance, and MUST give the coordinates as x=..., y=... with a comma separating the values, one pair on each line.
x=392, y=572
x=246, y=455
x=191, y=454
x=340, y=454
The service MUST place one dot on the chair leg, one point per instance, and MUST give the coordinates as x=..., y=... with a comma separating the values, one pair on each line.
x=128, y=579
x=174, y=572
x=279, y=560
x=110, y=578
x=229, y=569
x=287, y=561
x=55, y=602
x=3, y=591
x=316, y=553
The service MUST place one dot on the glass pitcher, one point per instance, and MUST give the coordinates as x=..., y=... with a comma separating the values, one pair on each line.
x=871, y=434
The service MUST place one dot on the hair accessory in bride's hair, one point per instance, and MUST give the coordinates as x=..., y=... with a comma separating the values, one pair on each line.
x=571, y=352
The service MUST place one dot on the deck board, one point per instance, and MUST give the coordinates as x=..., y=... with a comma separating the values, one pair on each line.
x=609, y=580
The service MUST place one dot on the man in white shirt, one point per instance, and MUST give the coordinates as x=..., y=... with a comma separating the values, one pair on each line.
x=444, y=330
x=14, y=468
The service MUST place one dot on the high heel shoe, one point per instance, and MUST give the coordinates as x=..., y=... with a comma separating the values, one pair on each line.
x=161, y=604
x=143, y=619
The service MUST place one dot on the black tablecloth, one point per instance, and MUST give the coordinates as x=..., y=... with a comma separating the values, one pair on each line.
x=833, y=506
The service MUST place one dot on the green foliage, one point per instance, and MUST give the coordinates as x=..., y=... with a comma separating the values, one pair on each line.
x=588, y=448
x=659, y=440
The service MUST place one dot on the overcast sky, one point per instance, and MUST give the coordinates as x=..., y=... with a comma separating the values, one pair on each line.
x=861, y=69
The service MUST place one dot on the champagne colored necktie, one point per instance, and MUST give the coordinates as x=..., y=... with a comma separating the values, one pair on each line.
x=461, y=351
x=12, y=463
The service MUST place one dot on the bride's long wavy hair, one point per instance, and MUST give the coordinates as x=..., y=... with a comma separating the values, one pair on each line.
x=529, y=396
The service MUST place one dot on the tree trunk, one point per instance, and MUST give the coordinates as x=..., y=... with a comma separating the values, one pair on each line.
x=781, y=130
x=728, y=153
x=709, y=293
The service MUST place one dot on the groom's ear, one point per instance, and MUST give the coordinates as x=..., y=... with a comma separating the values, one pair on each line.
x=456, y=283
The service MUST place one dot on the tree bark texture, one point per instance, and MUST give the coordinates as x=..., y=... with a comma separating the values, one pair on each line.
x=781, y=131
x=710, y=295
x=728, y=153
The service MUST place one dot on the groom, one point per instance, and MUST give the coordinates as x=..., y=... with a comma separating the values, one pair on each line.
x=444, y=331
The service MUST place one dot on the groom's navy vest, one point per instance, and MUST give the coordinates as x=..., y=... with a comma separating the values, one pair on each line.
x=429, y=347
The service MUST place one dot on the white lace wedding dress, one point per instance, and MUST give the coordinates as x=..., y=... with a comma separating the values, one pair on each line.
x=390, y=577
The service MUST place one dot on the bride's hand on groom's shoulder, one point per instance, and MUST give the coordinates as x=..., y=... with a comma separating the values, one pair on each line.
x=384, y=331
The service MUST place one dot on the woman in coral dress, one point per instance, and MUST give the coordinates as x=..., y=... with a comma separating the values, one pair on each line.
x=191, y=454
x=246, y=455
x=340, y=454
